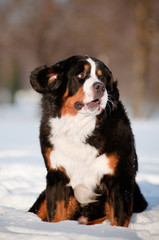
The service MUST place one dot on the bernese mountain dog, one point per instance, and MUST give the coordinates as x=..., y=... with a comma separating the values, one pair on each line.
x=87, y=144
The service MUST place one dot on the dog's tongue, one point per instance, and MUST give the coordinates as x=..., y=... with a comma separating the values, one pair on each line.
x=91, y=105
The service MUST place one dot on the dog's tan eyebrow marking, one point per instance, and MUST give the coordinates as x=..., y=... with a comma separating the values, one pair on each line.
x=86, y=67
x=99, y=72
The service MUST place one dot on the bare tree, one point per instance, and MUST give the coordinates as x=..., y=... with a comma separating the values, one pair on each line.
x=142, y=11
x=118, y=32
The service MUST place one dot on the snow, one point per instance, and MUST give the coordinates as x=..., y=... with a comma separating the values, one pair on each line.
x=22, y=178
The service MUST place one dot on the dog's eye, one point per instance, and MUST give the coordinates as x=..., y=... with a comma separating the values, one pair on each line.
x=81, y=75
x=102, y=78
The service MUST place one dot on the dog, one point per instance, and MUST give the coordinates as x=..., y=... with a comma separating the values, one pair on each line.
x=87, y=145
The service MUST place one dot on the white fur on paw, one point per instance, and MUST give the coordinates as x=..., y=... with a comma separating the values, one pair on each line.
x=83, y=220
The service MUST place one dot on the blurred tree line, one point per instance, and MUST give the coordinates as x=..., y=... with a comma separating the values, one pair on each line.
x=124, y=34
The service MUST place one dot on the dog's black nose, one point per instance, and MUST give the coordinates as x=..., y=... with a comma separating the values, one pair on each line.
x=98, y=89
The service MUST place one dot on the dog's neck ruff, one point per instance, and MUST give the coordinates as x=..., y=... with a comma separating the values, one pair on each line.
x=74, y=128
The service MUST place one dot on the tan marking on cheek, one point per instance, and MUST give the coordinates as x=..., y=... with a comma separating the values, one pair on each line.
x=113, y=161
x=42, y=212
x=68, y=106
x=99, y=72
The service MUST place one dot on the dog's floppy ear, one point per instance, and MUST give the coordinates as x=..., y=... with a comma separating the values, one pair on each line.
x=42, y=77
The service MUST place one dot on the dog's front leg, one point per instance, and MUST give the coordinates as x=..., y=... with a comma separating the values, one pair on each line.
x=119, y=200
x=119, y=209
x=60, y=200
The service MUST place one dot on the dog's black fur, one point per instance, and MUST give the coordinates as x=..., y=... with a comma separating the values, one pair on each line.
x=117, y=195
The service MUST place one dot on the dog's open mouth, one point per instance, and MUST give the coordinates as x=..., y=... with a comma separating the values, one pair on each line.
x=93, y=105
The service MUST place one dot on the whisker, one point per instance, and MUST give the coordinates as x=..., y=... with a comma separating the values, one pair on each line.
x=111, y=105
x=110, y=100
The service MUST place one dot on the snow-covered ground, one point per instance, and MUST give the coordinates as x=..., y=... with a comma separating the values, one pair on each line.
x=22, y=178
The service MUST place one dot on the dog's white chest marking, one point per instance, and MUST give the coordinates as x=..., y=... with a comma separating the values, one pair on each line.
x=80, y=160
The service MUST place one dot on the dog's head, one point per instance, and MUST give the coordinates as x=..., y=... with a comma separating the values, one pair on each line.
x=77, y=85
